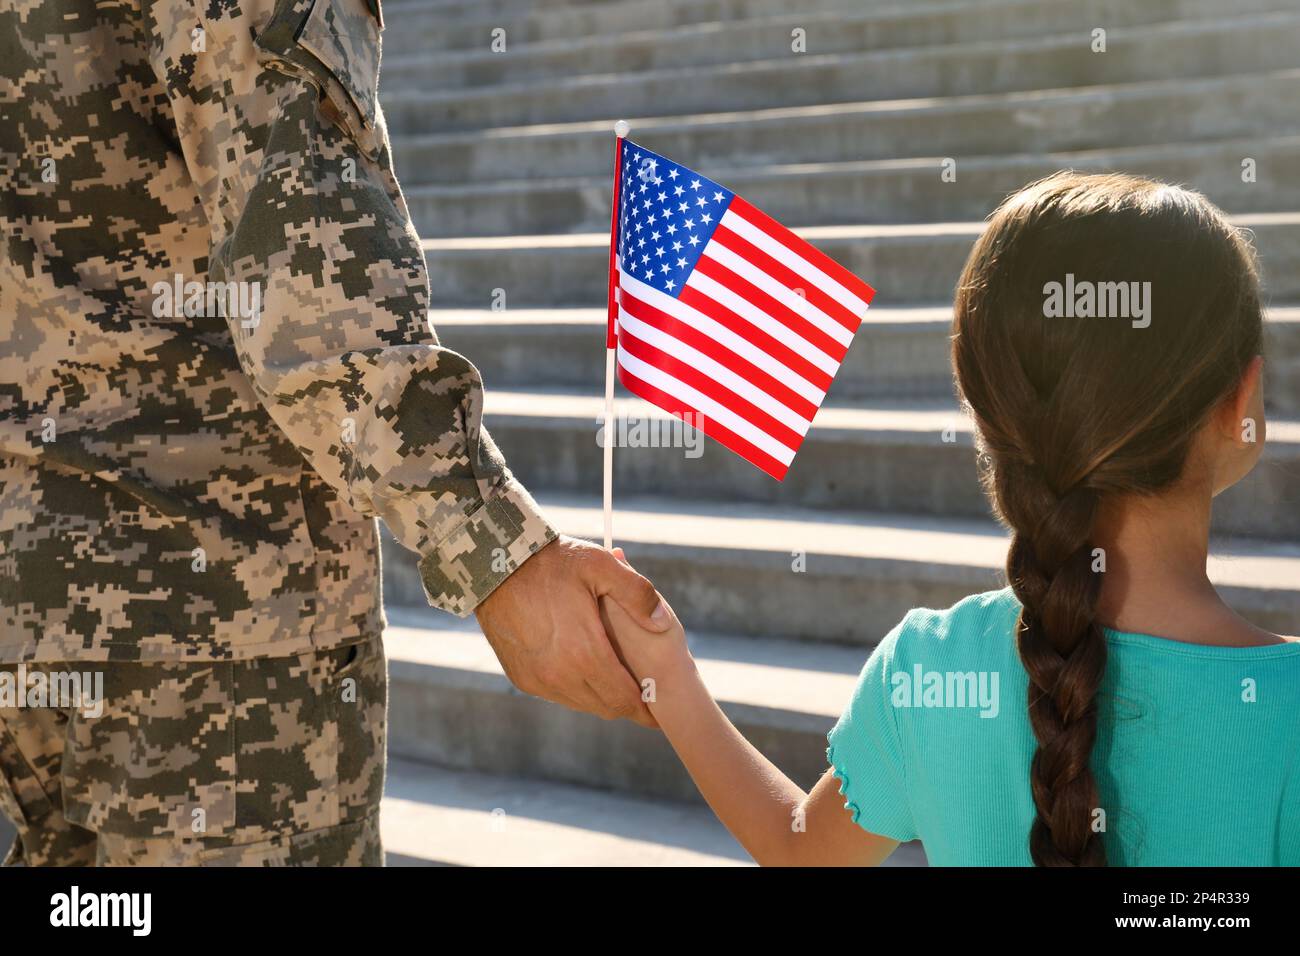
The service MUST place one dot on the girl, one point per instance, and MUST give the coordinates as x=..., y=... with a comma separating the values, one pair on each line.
x=1140, y=721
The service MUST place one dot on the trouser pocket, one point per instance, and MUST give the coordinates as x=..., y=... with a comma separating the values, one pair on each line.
x=234, y=753
x=32, y=745
x=22, y=798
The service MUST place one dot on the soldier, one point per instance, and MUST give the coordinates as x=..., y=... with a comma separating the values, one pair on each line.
x=216, y=372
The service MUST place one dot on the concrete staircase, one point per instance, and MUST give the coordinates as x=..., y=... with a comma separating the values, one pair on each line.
x=505, y=159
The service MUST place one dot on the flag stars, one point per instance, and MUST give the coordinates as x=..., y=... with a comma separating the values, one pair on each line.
x=671, y=203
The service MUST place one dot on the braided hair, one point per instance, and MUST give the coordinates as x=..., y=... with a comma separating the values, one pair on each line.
x=1070, y=411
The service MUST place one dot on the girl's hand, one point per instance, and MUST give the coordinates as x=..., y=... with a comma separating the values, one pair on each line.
x=656, y=659
x=749, y=794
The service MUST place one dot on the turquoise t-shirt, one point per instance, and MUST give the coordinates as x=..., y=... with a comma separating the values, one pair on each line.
x=1197, y=756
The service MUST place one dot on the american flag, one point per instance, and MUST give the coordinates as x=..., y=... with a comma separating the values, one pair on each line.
x=721, y=315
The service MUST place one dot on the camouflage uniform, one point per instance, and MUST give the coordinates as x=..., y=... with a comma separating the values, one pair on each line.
x=188, y=489
x=266, y=762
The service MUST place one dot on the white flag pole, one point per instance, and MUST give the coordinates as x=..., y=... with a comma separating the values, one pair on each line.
x=621, y=129
x=609, y=447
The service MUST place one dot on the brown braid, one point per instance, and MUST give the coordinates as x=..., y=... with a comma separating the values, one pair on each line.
x=1071, y=410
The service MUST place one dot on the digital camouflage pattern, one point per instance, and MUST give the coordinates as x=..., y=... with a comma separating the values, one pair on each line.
x=181, y=478
x=260, y=763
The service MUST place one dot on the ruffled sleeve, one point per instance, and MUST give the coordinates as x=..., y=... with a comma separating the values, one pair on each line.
x=866, y=751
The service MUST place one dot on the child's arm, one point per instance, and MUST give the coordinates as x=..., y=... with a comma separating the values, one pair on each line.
x=773, y=819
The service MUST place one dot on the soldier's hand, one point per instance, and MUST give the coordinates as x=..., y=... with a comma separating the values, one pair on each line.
x=544, y=624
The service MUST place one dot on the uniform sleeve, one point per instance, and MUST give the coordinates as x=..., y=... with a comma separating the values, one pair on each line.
x=279, y=124
x=866, y=752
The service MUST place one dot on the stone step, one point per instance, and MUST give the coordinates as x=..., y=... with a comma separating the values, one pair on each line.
x=436, y=816
x=758, y=569
x=433, y=816
x=919, y=189
x=452, y=708
x=1188, y=48
x=565, y=349
x=906, y=357
x=465, y=55
x=451, y=705
x=466, y=26
x=1043, y=121
x=916, y=458
x=908, y=263
x=461, y=9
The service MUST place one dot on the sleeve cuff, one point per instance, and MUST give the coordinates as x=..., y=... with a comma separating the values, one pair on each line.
x=489, y=546
x=873, y=814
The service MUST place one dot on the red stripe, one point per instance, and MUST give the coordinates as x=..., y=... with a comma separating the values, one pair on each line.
x=812, y=293
x=746, y=450
x=791, y=319
x=711, y=387
x=697, y=300
x=719, y=353
x=781, y=234
x=611, y=339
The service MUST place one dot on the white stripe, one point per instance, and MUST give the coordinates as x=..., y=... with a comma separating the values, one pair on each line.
x=792, y=300
x=781, y=253
x=723, y=336
x=719, y=373
x=710, y=409
x=757, y=317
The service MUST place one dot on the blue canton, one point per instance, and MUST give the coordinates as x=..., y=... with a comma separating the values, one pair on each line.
x=667, y=214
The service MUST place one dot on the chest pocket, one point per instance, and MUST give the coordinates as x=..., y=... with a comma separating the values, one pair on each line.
x=335, y=44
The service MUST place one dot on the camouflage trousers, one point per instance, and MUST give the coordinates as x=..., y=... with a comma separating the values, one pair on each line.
x=273, y=762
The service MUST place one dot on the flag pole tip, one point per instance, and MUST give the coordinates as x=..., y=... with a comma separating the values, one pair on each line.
x=621, y=129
